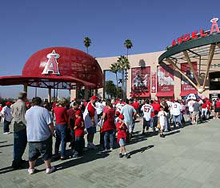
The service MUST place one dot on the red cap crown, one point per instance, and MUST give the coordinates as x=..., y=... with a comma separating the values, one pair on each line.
x=121, y=116
x=94, y=97
x=8, y=103
x=78, y=112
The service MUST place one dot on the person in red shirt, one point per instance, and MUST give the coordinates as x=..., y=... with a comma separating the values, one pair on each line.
x=122, y=136
x=217, y=108
x=204, y=109
x=0, y=112
x=71, y=121
x=209, y=108
x=156, y=108
x=109, y=125
x=136, y=105
x=79, y=134
x=60, y=113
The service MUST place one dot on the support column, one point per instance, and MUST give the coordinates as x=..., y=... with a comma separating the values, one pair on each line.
x=73, y=94
x=25, y=87
x=49, y=94
x=191, y=67
x=178, y=69
x=86, y=93
x=211, y=54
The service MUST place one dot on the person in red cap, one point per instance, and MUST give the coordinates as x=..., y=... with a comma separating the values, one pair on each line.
x=122, y=136
x=6, y=113
x=79, y=134
x=90, y=118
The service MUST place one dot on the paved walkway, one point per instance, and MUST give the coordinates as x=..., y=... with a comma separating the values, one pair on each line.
x=186, y=158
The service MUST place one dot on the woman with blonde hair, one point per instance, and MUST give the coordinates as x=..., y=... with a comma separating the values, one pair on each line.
x=60, y=113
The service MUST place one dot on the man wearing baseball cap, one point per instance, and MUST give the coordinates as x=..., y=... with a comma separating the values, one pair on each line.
x=91, y=119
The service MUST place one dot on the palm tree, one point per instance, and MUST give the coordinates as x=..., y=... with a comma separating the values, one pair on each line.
x=128, y=44
x=87, y=43
x=115, y=68
x=124, y=66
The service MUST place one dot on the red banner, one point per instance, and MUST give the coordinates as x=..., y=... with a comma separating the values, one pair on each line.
x=140, y=80
x=165, y=81
x=153, y=83
x=186, y=87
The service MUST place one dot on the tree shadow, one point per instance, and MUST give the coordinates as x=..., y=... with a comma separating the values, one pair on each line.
x=141, y=150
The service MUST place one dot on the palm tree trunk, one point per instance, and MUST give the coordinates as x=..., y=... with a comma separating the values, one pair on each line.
x=116, y=84
x=87, y=49
x=123, y=84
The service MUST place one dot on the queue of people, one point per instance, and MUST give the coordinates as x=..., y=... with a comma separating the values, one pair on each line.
x=36, y=123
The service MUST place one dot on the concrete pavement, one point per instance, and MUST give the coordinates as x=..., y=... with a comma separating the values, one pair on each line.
x=185, y=158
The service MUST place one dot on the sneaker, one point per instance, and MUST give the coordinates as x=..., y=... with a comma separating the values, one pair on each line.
x=120, y=155
x=63, y=158
x=50, y=170
x=127, y=155
x=92, y=146
x=6, y=133
x=31, y=171
x=76, y=154
x=105, y=150
x=111, y=149
x=89, y=146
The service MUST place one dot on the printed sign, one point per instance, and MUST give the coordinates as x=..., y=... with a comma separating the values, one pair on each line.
x=165, y=80
x=140, y=80
x=51, y=66
x=186, y=87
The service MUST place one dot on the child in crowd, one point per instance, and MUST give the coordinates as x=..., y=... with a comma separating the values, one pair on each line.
x=121, y=137
x=79, y=134
x=162, y=118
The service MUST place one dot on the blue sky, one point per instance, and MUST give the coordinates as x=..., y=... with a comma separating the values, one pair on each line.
x=27, y=26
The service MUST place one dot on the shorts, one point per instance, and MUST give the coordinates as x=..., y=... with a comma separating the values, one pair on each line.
x=195, y=115
x=130, y=126
x=122, y=142
x=146, y=124
x=91, y=130
x=43, y=149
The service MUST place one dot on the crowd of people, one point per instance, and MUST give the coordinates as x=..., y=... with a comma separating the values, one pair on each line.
x=36, y=123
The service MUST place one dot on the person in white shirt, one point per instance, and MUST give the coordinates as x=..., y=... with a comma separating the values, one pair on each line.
x=119, y=106
x=162, y=118
x=6, y=113
x=190, y=106
x=147, y=109
x=176, y=110
x=99, y=108
x=40, y=129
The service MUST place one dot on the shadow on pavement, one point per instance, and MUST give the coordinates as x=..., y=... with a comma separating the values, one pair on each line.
x=84, y=159
x=141, y=150
x=171, y=133
x=1, y=142
x=6, y=145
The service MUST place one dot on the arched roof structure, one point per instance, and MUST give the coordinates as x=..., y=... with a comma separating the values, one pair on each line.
x=60, y=68
x=201, y=47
